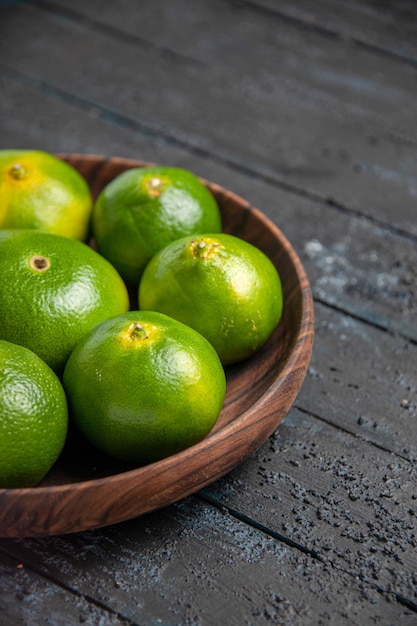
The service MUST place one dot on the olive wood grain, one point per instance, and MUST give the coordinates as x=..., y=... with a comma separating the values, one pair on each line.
x=86, y=489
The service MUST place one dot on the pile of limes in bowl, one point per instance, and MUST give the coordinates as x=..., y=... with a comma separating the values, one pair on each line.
x=129, y=338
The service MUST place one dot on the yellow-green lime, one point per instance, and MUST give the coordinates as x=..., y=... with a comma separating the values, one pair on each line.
x=40, y=191
x=53, y=290
x=143, y=209
x=143, y=386
x=220, y=285
x=33, y=417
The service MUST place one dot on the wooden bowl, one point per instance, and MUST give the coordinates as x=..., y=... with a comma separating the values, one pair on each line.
x=86, y=489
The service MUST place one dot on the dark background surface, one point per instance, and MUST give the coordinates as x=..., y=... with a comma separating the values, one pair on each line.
x=308, y=110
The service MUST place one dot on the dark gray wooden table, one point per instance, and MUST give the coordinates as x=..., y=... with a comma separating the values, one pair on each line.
x=309, y=110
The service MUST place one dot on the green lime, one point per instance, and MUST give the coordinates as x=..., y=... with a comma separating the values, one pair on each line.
x=41, y=192
x=33, y=417
x=143, y=209
x=222, y=286
x=53, y=290
x=143, y=386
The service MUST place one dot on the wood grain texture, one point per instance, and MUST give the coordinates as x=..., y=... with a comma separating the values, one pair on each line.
x=315, y=113
x=364, y=381
x=388, y=27
x=27, y=599
x=195, y=564
x=347, y=502
x=259, y=393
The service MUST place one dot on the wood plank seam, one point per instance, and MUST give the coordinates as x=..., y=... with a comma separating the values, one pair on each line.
x=279, y=15
x=410, y=604
x=70, y=589
x=351, y=433
x=106, y=29
x=257, y=173
x=380, y=324
x=308, y=24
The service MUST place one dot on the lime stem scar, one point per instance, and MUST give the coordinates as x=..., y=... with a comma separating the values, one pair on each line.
x=137, y=331
x=155, y=186
x=205, y=248
x=39, y=263
x=17, y=171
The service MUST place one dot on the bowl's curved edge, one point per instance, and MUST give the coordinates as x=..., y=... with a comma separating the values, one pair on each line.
x=129, y=494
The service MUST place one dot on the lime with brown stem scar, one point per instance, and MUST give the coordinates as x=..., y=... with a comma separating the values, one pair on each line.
x=53, y=290
x=220, y=285
x=143, y=386
x=145, y=208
